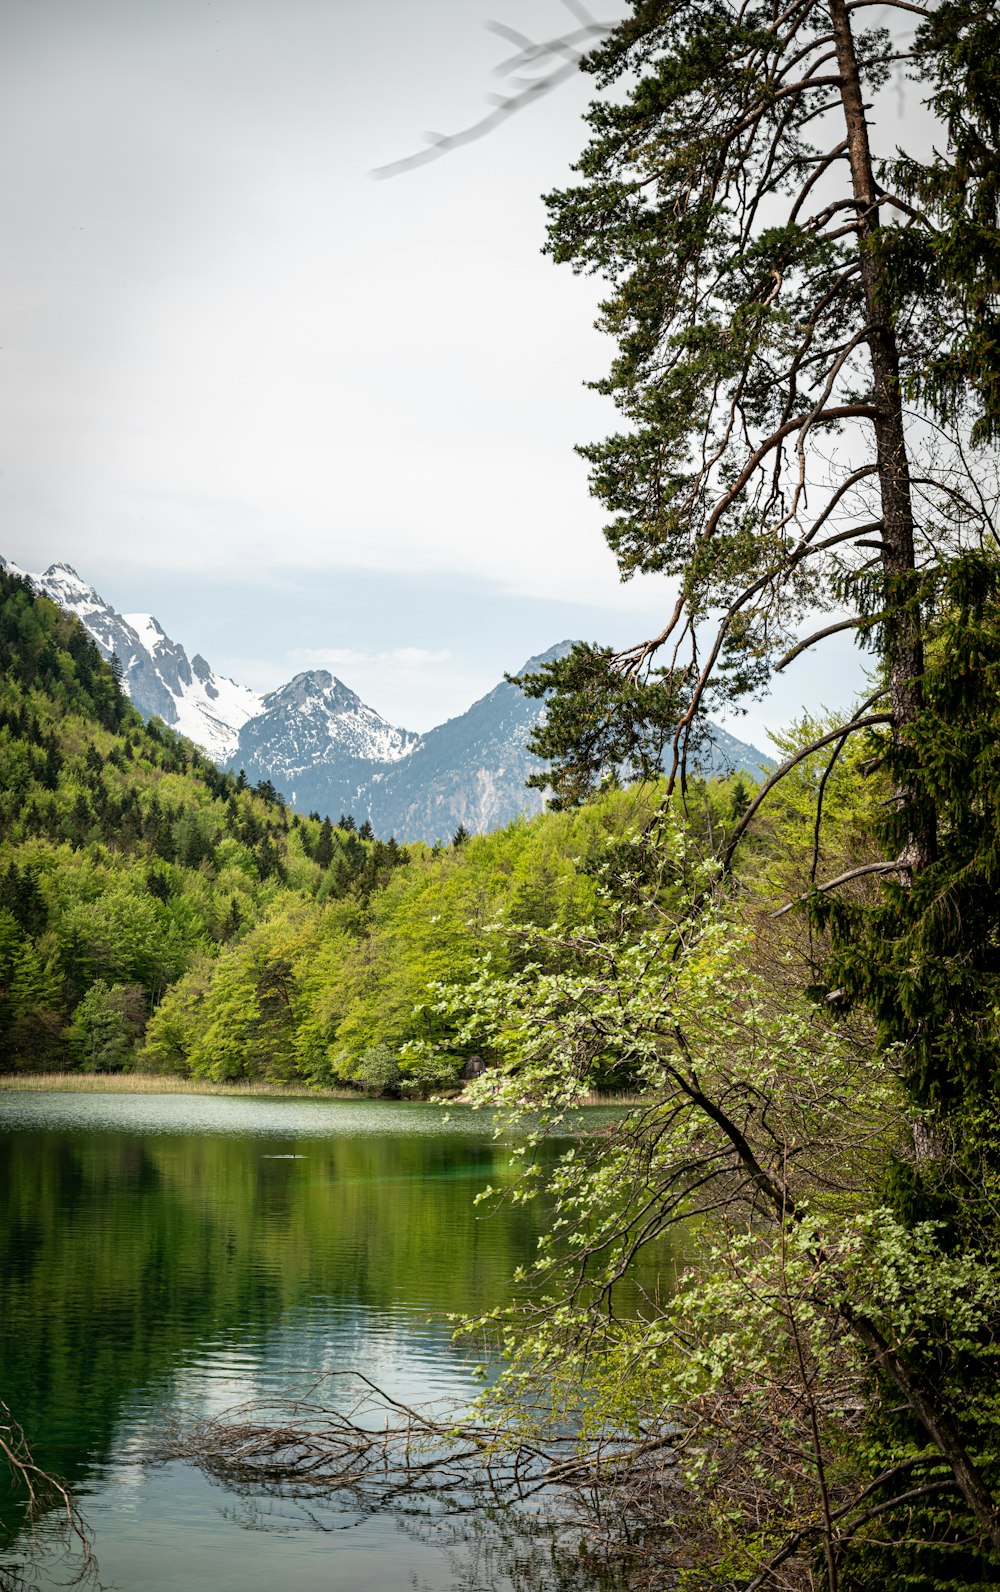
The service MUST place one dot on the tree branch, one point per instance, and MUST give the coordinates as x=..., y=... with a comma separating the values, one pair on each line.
x=820, y=635
x=529, y=54
x=806, y=751
x=899, y=866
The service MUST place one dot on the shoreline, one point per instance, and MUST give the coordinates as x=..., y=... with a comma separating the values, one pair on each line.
x=158, y=1083
x=165, y=1084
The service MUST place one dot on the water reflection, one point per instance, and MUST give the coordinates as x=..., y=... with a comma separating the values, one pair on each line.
x=156, y=1269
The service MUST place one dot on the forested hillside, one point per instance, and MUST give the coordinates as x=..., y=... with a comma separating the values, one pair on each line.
x=157, y=913
x=127, y=857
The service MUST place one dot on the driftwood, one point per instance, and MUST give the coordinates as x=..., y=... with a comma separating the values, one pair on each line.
x=482, y=1488
x=384, y=1450
x=52, y=1518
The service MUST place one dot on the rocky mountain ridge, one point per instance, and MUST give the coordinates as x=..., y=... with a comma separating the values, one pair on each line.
x=315, y=739
x=157, y=674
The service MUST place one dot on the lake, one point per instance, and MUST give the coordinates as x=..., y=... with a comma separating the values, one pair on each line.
x=164, y=1257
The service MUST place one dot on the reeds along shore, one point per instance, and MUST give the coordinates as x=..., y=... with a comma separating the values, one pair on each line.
x=162, y=1083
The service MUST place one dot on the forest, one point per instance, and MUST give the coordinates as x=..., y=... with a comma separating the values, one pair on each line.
x=159, y=916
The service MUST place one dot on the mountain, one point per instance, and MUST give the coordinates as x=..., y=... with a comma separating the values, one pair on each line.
x=315, y=740
x=470, y=770
x=157, y=674
x=723, y=754
x=318, y=742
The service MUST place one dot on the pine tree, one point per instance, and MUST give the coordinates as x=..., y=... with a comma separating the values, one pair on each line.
x=324, y=845
x=808, y=371
x=784, y=294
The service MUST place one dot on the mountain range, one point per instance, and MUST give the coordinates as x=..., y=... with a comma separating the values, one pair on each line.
x=156, y=672
x=316, y=741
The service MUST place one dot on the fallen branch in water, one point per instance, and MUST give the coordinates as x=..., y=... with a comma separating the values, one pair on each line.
x=49, y=1504
x=604, y=1505
x=386, y=1450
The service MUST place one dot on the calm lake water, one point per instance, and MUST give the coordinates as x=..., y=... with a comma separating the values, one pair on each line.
x=164, y=1257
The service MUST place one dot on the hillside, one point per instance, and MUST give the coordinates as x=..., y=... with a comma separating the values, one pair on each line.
x=156, y=673
x=158, y=912
x=127, y=856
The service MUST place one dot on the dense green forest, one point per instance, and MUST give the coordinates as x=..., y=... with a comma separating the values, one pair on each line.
x=158, y=914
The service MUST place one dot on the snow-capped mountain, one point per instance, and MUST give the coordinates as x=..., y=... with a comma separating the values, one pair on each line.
x=156, y=672
x=318, y=742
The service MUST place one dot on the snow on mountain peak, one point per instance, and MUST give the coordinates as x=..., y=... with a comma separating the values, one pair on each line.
x=148, y=629
x=156, y=673
x=66, y=573
x=315, y=719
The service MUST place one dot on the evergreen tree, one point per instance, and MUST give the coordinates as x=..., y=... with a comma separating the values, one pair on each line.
x=324, y=845
x=778, y=299
x=808, y=370
x=107, y=1026
x=739, y=799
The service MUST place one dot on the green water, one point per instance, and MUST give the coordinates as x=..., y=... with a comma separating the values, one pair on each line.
x=164, y=1257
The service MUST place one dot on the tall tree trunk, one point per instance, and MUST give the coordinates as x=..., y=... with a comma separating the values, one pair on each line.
x=904, y=658
x=903, y=628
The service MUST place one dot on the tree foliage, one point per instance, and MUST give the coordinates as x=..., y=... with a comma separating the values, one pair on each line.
x=807, y=369
x=780, y=288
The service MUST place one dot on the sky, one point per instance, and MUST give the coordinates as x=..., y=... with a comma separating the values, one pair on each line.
x=307, y=417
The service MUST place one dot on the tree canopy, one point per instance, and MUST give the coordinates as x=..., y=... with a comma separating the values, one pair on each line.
x=807, y=337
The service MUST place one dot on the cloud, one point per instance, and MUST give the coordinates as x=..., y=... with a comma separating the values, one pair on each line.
x=403, y=657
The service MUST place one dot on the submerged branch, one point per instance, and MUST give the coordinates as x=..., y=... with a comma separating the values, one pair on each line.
x=50, y=1510
x=383, y=1453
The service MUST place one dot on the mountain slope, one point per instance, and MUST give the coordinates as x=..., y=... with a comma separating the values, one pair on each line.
x=315, y=740
x=126, y=856
x=470, y=770
x=318, y=742
x=157, y=674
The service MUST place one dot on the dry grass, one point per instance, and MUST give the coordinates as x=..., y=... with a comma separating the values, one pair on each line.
x=166, y=1084
x=154, y=1083
x=611, y=1100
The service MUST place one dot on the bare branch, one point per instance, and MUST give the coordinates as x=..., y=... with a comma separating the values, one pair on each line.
x=567, y=50
x=47, y=1497
x=820, y=635
x=900, y=866
x=860, y=723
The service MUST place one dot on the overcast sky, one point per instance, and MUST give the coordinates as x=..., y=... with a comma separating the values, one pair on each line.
x=303, y=416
